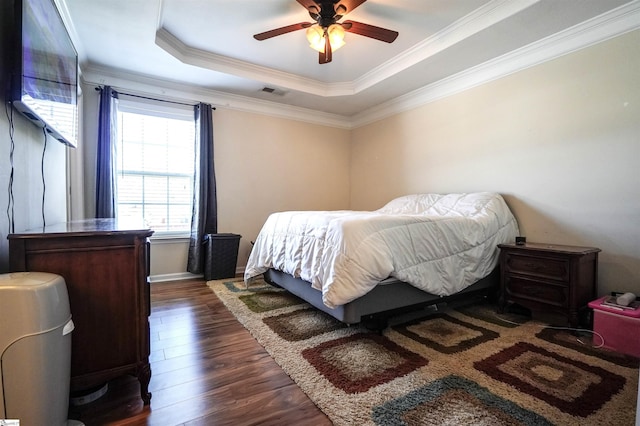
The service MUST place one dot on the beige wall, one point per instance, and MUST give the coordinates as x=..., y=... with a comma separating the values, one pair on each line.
x=266, y=164
x=28, y=188
x=263, y=165
x=25, y=142
x=561, y=142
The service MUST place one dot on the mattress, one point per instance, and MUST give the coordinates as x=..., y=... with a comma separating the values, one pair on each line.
x=438, y=243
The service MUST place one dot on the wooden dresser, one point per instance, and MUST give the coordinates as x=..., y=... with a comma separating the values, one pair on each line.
x=549, y=277
x=105, y=264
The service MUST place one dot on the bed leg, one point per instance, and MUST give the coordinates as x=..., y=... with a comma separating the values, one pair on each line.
x=377, y=323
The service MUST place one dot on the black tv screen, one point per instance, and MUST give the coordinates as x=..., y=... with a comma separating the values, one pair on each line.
x=44, y=80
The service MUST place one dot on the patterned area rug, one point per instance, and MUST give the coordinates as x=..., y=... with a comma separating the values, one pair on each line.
x=457, y=366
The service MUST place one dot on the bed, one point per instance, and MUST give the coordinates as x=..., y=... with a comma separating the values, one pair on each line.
x=417, y=250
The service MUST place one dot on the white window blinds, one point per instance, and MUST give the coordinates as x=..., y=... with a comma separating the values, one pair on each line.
x=155, y=166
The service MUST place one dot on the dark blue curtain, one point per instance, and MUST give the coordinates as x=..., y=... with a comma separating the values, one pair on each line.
x=106, y=161
x=204, y=219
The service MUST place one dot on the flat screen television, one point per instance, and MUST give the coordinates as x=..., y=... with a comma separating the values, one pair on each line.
x=44, y=69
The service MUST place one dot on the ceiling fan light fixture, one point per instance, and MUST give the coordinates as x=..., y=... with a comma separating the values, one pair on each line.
x=316, y=34
x=336, y=36
x=315, y=37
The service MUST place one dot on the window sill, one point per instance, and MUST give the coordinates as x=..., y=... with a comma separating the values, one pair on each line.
x=170, y=237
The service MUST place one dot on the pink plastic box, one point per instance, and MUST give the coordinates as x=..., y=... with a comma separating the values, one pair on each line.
x=619, y=328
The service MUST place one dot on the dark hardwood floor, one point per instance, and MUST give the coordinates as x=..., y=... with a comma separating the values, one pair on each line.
x=206, y=370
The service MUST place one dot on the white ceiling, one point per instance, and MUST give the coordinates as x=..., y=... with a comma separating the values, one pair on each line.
x=207, y=45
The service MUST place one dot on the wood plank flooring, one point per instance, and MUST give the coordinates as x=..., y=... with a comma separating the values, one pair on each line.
x=206, y=370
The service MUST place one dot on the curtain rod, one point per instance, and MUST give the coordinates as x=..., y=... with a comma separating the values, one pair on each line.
x=154, y=99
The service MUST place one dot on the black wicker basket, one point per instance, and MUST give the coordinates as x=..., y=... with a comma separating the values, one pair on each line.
x=221, y=255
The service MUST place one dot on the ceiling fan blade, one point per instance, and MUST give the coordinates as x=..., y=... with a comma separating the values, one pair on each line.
x=283, y=30
x=349, y=5
x=319, y=8
x=371, y=31
x=307, y=3
x=326, y=56
x=312, y=7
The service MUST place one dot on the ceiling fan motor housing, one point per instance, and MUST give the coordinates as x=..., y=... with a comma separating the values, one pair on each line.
x=327, y=15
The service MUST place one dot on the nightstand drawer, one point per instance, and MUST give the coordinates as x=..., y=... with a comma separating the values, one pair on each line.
x=536, y=291
x=543, y=267
x=548, y=277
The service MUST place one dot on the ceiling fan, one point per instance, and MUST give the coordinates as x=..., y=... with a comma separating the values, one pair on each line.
x=327, y=34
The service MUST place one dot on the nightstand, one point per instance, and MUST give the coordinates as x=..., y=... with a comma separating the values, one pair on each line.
x=548, y=277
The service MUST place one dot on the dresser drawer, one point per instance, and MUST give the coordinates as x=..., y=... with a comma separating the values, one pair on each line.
x=521, y=288
x=543, y=267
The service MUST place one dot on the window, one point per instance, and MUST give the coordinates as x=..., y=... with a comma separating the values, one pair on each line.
x=155, y=165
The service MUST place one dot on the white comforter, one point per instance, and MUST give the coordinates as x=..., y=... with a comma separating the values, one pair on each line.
x=438, y=243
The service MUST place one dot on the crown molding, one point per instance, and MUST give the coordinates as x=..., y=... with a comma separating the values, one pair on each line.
x=604, y=27
x=478, y=20
x=162, y=89
x=63, y=9
x=612, y=24
x=203, y=59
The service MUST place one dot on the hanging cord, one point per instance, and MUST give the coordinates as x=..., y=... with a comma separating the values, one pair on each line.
x=580, y=330
x=44, y=184
x=10, y=203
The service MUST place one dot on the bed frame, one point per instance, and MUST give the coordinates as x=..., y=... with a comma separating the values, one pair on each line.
x=388, y=299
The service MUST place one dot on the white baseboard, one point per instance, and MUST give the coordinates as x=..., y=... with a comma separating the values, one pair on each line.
x=174, y=277
x=183, y=276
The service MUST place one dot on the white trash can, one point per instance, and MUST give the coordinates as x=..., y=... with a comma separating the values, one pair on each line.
x=35, y=348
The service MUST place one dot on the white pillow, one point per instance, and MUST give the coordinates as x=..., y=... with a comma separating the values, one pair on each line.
x=445, y=205
x=410, y=204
